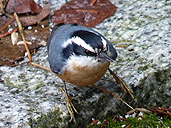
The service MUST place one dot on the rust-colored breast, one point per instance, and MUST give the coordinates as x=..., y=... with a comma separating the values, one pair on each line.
x=85, y=76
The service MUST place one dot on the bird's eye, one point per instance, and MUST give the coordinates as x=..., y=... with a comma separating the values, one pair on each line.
x=86, y=51
x=89, y=53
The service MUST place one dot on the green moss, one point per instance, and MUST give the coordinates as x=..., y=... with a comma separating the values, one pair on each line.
x=143, y=68
x=133, y=18
x=11, y=85
x=151, y=120
x=49, y=120
x=22, y=76
x=39, y=85
x=161, y=76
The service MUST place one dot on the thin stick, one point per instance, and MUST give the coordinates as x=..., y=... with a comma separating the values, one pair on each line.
x=7, y=33
x=138, y=109
x=1, y=6
x=122, y=83
x=34, y=51
x=25, y=44
x=124, y=46
x=45, y=68
x=7, y=24
x=22, y=34
x=93, y=2
x=105, y=90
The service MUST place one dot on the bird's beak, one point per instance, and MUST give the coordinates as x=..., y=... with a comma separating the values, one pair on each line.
x=103, y=56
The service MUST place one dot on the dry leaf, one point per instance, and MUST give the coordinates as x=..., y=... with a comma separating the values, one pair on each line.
x=162, y=111
x=23, y=6
x=82, y=13
x=33, y=19
x=10, y=54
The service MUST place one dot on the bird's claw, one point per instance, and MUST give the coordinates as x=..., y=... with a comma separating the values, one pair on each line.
x=70, y=106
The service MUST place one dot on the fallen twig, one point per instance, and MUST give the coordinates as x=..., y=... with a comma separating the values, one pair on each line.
x=7, y=24
x=25, y=44
x=22, y=34
x=93, y=2
x=105, y=90
x=7, y=33
x=138, y=109
x=124, y=46
x=122, y=83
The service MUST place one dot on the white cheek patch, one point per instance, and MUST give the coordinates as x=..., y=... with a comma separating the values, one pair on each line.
x=77, y=40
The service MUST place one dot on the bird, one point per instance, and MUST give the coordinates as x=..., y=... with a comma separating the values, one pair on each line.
x=78, y=55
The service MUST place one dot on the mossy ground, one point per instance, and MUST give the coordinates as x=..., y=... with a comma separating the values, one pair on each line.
x=49, y=120
x=52, y=120
x=146, y=121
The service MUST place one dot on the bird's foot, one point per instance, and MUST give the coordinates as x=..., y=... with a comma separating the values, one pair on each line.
x=69, y=104
x=71, y=108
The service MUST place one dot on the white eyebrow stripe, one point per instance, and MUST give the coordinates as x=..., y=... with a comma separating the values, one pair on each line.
x=77, y=40
x=104, y=43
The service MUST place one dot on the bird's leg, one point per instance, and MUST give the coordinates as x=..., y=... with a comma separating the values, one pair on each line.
x=122, y=83
x=69, y=104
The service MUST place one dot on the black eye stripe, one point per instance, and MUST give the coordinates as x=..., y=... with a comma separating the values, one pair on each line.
x=89, y=53
x=74, y=49
x=90, y=38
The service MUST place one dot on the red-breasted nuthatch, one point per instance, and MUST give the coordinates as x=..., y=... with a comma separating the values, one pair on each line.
x=79, y=55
